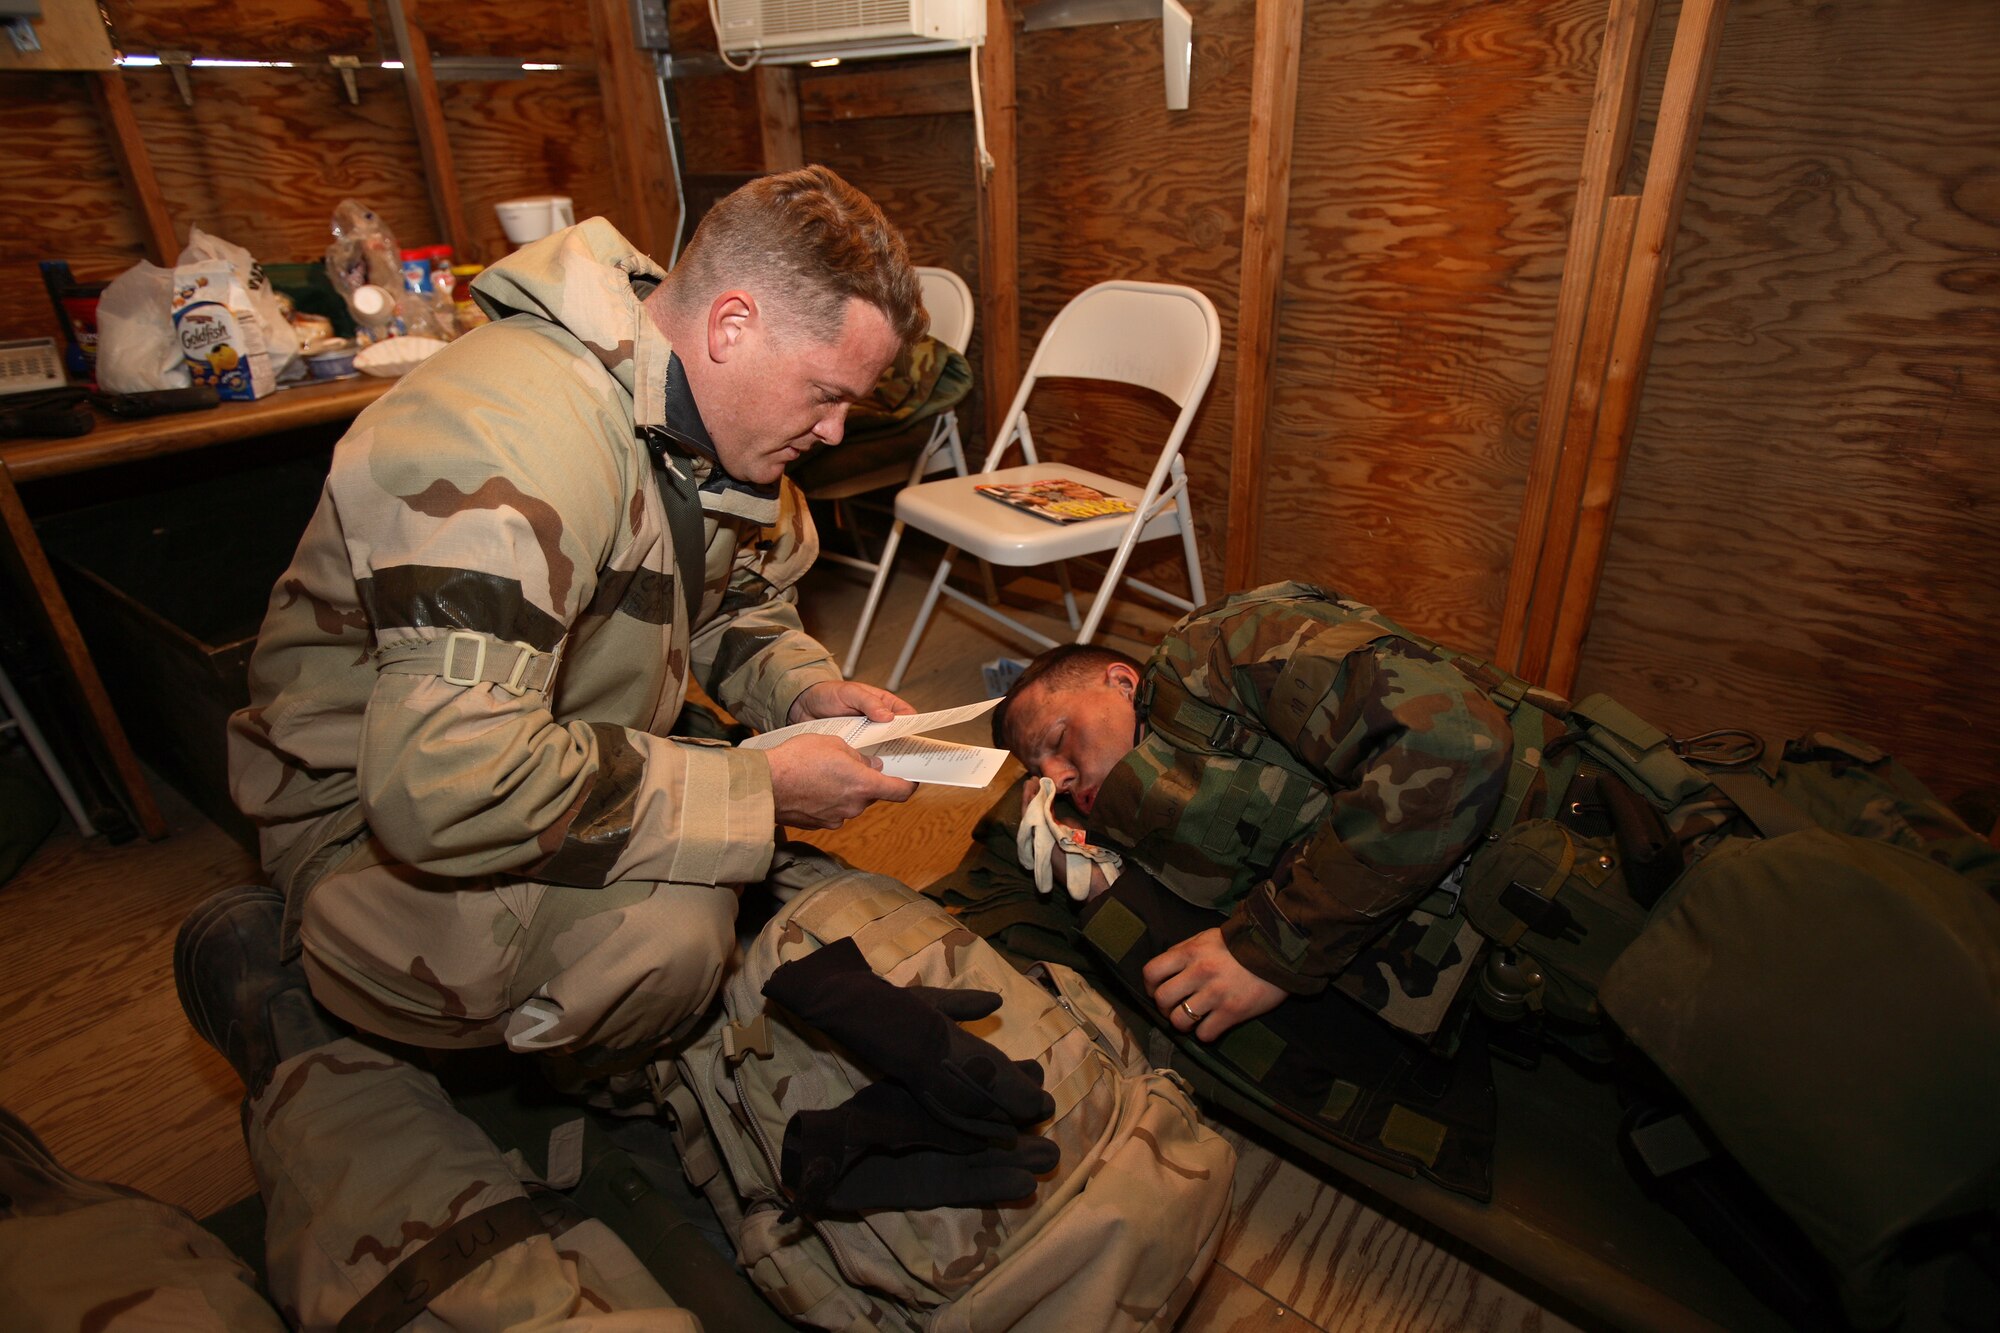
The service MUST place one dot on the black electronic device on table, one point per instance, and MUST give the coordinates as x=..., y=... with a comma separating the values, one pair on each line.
x=157, y=402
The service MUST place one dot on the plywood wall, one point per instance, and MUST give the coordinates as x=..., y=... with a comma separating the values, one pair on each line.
x=263, y=155
x=64, y=199
x=1810, y=527
x=1434, y=164
x=1114, y=185
x=1809, y=533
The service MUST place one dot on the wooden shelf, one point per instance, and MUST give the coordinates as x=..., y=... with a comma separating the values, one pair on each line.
x=118, y=440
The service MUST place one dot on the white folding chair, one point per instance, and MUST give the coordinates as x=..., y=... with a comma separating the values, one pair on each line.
x=949, y=302
x=1155, y=335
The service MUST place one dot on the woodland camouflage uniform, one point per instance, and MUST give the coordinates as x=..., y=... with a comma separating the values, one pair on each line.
x=1805, y=941
x=530, y=857
x=1348, y=768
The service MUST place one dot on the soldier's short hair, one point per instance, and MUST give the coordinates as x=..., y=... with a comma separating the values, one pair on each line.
x=1067, y=666
x=805, y=241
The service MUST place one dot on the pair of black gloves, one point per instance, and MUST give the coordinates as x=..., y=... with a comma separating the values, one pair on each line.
x=944, y=1126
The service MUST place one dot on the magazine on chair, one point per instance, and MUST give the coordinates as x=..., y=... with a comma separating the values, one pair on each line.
x=1056, y=499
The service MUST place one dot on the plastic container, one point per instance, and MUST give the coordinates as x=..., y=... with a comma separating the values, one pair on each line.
x=417, y=271
x=76, y=308
x=335, y=361
x=470, y=316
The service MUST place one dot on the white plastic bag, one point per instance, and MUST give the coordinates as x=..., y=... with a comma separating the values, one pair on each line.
x=364, y=254
x=280, y=341
x=137, y=349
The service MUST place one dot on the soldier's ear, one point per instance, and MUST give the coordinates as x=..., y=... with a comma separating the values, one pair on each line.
x=731, y=316
x=1121, y=678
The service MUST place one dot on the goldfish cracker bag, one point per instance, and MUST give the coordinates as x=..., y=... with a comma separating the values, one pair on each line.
x=221, y=340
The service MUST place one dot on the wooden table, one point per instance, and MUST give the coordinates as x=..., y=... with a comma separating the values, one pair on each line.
x=118, y=441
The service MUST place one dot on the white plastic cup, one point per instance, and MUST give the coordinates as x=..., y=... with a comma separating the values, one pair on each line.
x=375, y=314
x=534, y=217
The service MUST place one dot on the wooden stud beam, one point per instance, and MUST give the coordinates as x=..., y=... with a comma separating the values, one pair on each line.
x=135, y=165
x=1555, y=472
x=420, y=81
x=1274, y=88
x=778, y=118
x=1577, y=427
x=1697, y=37
x=1613, y=277
x=999, y=221
x=777, y=113
x=628, y=84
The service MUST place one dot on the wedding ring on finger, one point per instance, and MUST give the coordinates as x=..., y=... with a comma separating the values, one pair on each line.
x=1188, y=1009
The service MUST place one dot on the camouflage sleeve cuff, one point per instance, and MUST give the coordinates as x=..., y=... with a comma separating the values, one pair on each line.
x=728, y=822
x=1260, y=936
x=797, y=681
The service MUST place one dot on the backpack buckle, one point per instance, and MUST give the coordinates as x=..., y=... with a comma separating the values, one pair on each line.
x=1229, y=733
x=744, y=1039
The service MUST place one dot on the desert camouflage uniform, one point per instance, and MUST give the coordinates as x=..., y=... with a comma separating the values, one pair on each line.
x=378, y=1190
x=532, y=860
x=386, y=1209
x=1374, y=765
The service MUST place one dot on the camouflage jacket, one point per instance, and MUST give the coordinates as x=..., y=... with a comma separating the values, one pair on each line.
x=1390, y=765
x=505, y=488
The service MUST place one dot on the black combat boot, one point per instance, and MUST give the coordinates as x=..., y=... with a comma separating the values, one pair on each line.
x=240, y=996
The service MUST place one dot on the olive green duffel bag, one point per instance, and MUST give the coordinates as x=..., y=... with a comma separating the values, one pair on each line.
x=1831, y=1007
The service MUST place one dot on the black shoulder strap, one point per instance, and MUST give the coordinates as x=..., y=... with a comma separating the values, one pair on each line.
x=684, y=521
x=1193, y=723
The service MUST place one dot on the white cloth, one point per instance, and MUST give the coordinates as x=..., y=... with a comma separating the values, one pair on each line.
x=1042, y=835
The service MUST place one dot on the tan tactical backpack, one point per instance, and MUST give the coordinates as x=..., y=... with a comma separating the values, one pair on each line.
x=1116, y=1237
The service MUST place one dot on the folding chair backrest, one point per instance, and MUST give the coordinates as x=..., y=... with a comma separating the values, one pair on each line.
x=949, y=302
x=1156, y=335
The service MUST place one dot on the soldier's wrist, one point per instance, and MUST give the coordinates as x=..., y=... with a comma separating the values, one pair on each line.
x=1249, y=944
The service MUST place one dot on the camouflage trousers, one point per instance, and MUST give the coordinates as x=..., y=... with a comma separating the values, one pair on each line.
x=386, y=1209
x=113, y=1260
x=598, y=974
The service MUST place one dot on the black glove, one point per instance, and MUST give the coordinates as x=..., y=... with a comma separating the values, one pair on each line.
x=881, y=1149
x=911, y=1034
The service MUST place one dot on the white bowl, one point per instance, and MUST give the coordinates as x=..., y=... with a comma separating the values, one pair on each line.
x=393, y=356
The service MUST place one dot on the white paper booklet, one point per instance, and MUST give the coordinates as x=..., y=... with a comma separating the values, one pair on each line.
x=904, y=745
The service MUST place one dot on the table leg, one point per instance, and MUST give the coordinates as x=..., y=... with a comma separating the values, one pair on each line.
x=33, y=563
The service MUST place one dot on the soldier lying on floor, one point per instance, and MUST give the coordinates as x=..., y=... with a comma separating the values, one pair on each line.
x=1294, y=795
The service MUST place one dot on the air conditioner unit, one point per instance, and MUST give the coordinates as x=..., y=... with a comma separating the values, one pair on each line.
x=786, y=31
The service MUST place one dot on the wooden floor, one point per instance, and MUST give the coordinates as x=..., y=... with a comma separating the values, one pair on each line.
x=94, y=1052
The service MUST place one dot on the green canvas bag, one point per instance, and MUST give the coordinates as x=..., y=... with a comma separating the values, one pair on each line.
x=1117, y=1237
x=1830, y=1005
